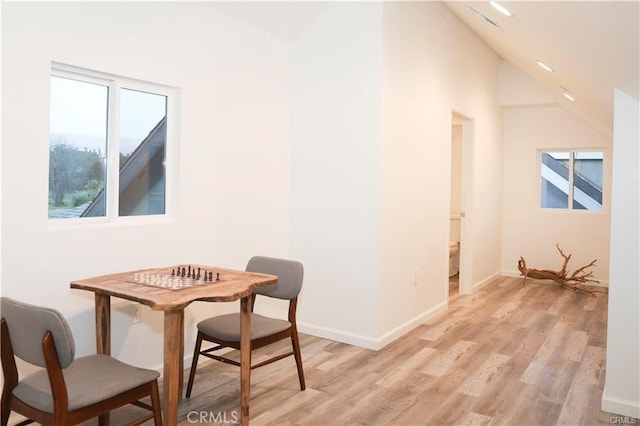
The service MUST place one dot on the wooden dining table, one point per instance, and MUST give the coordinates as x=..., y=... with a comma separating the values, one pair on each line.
x=162, y=290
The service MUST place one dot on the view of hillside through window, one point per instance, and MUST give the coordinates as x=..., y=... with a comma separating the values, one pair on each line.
x=77, y=145
x=83, y=137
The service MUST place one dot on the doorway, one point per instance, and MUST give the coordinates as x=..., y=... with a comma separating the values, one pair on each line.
x=460, y=278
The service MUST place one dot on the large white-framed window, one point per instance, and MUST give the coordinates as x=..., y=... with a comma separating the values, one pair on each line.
x=571, y=179
x=110, y=147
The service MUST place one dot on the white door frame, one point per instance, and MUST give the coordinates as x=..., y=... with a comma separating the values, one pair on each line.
x=465, y=285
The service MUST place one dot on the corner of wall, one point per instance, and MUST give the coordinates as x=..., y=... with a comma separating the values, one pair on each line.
x=622, y=388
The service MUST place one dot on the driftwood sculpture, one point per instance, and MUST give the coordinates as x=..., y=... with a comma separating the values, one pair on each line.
x=562, y=277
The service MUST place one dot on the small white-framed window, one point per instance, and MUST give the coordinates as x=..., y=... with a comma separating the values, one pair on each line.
x=109, y=146
x=571, y=179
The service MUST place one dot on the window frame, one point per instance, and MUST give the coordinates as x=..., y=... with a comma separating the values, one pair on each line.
x=570, y=209
x=111, y=162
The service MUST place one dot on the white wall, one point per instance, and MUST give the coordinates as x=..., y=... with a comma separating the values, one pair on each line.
x=531, y=122
x=281, y=148
x=333, y=149
x=336, y=171
x=622, y=387
x=373, y=99
x=234, y=136
x=433, y=65
x=1, y=171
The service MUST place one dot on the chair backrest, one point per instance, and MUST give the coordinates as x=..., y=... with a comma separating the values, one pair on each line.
x=289, y=273
x=28, y=324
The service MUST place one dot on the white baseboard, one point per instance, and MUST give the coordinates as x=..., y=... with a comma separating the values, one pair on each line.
x=600, y=283
x=490, y=278
x=620, y=406
x=403, y=329
x=338, y=335
x=369, y=342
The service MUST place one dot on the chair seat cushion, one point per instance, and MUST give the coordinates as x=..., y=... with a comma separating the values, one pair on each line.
x=89, y=380
x=227, y=327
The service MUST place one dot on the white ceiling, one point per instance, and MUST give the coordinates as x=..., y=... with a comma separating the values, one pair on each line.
x=593, y=46
x=285, y=19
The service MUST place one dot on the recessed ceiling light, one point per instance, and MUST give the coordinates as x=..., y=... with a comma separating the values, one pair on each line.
x=487, y=19
x=500, y=8
x=568, y=96
x=544, y=66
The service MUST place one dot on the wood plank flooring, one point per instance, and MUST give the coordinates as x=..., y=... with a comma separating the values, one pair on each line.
x=506, y=355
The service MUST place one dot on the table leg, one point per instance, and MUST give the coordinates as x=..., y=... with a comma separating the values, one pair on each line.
x=103, y=324
x=245, y=358
x=103, y=336
x=173, y=360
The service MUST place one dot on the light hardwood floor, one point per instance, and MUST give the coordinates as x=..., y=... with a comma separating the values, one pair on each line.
x=506, y=355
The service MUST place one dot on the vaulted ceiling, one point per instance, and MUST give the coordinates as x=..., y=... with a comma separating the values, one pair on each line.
x=592, y=46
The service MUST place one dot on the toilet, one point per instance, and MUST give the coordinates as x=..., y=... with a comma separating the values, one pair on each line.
x=454, y=248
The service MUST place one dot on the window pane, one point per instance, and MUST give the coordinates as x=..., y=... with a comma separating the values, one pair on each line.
x=587, y=180
x=143, y=129
x=554, y=173
x=77, y=148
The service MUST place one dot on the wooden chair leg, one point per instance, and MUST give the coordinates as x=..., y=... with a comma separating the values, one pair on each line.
x=4, y=411
x=103, y=419
x=297, y=353
x=194, y=364
x=155, y=404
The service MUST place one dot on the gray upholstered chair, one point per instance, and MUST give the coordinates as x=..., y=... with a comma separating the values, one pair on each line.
x=66, y=391
x=224, y=330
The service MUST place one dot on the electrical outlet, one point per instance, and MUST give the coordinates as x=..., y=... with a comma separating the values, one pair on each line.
x=415, y=276
x=136, y=313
